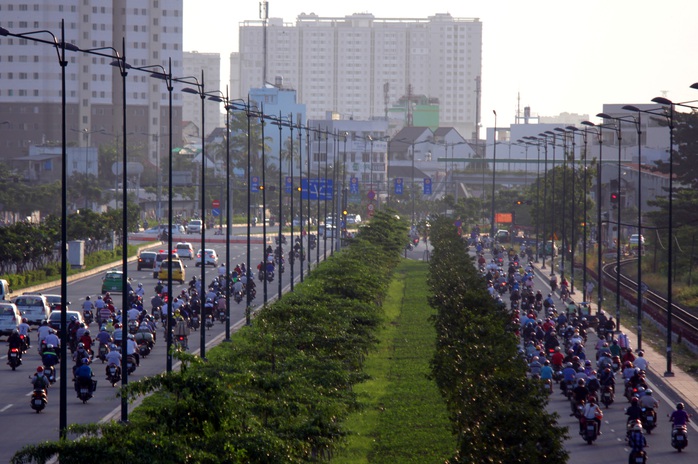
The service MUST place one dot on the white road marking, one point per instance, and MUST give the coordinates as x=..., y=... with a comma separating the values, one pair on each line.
x=6, y=408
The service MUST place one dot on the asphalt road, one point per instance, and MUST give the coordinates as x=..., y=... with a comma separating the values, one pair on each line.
x=15, y=388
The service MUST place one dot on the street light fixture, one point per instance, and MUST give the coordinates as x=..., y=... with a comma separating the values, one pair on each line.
x=534, y=140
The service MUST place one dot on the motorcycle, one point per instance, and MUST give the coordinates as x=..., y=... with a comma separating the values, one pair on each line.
x=14, y=359
x=113, y=374
x=638, y=457
x=24, y=343
x=102, y=352
x=590, y=431
x=194, y=323
x=553, y=285
x=144, y=349
x=649, y=419
x=679, y=437
x=39, y=399
x=221, y=316
x=130, y=364
x=85, y=388
x=607, y=396
x=157, y=313
x=209, y=321
x=88, y=316
x=238, y=297
x=180, y=342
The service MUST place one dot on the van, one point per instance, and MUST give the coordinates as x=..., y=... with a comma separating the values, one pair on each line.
x=5, y=290
x=34, y=307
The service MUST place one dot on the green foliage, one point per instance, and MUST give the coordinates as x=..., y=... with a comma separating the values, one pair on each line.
x=278, y=394
x=498, y=415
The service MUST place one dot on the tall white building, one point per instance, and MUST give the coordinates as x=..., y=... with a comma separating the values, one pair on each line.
x=359, y=65
x=210, y=64
x=30, y=82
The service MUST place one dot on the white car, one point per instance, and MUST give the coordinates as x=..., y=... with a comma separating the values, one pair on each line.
x=353, y=218
x=211, y=257
x=185, y=250
x=34, y=307
x=10, y=317
x=195, y=226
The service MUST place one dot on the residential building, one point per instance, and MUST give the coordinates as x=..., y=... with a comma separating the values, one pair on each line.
x=209, y=64
x=30, y=83
x=360, y=65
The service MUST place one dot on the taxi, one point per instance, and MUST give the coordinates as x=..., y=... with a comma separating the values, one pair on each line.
x=177, y=267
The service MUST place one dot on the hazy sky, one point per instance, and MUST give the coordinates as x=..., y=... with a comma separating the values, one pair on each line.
x=561, y=56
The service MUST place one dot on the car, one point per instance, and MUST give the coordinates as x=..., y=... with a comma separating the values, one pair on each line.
x=158, y=230
x=54, y=301
x=112, y=281
x=353, y=218
x=185, y=250
x=177, y=267
x=146, y=260
x=195, y=226
x=5, y=290
x=161, y=255
x=634, y=240
x=211, y=257
x=34, y=307
x=54, y=319
x=10, y=317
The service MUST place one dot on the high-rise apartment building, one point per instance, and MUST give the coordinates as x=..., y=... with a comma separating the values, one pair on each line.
x=360, y=65
x=30, y=82
x=210, y=64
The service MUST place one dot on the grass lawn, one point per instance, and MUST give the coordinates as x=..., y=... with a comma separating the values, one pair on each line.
x=404, y=418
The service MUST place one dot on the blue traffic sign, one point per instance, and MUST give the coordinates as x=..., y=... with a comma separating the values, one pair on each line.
x=354, y=185
x=216, y=212
x=254, y=184
x=427, y=186
x=398, y=185
x=317, y=189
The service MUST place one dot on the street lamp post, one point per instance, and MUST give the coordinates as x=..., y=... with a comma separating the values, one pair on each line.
x=599, y=257
x=86, y=137
x=199, y=90
x=638, y=126
x=545, y=203
x=583, y=132
x=531, y=140
x=300, y=195
x=494, y=171
x=617, y=129
x=552, y=207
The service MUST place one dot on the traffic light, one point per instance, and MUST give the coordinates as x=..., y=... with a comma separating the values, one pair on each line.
x=614, y=197
x=261, y=187
x=518, y=202
x=344, y=213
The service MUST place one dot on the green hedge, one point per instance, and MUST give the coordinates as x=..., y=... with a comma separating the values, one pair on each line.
x=498, y=414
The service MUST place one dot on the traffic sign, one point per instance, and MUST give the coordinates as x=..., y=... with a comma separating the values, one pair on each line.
x=216, y=212
x=216, y=203
x=371, y=207
x=371, y=195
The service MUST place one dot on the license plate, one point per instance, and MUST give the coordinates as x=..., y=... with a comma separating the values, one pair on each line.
x=13, y=355
x=650, y=419
x=640, y=460
x=590, y=428
x=83, y=391
x=38, y=402
x=679, y=438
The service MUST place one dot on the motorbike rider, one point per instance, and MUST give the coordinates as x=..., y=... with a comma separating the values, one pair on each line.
x=648, y=401
x=580, y=394
x=132, y=349
x=159, y=287
x=679, y=417
x=15, y=341
x=83, y=375
x=591, y=411
x=140, y=292
x=88, y=306
x=113, y=358
x=634, y=411
x=182, y=330
x=103, y=314
x=52, y=338
x=636, y=441
x=607, y=379
x=641, y=362
x=40, y=381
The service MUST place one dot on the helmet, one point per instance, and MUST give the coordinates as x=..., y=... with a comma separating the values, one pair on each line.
x=87, y=332
x=557, y=348
x=587, y=363
x=679, y=406
x=634, y=400
x=546, y=363
x=637, y=427
x=15, y=331
x=159, y=282
x=73, y=318
x=81, y=345
x=99, y=297
x=592, y=400
x=628, y=364
x=140, y=285
x=24, y=319
x=112, y=346
x=640, y=353
x=131, y=337
x=85, y=361
x=50, y=347
x=580, y=382
x=40, y=369
x=106, y=294
x=87, y=298
x=648, y=392
x=568, y=364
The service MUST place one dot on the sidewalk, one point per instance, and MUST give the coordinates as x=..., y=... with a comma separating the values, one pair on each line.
x=685, y=386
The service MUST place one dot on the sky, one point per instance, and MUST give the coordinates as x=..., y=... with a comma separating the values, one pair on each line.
x=558, y=55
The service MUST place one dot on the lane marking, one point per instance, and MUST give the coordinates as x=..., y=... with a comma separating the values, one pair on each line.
x=6, y=408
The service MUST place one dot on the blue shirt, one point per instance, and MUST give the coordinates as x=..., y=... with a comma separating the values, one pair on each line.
x=83, y=371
